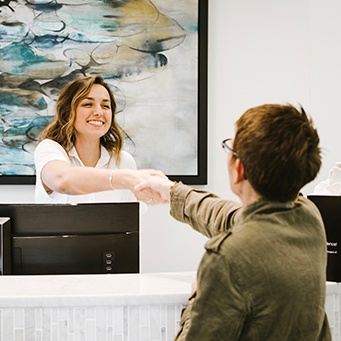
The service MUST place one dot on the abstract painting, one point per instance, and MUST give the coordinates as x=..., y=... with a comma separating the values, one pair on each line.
x=153, y=53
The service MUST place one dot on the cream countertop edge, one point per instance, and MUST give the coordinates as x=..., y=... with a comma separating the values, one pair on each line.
x=95, y=290
x=101, y=290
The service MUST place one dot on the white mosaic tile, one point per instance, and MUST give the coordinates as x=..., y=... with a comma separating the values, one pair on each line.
x=130, y=323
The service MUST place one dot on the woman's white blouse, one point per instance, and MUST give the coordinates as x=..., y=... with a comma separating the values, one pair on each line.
x=49, y=150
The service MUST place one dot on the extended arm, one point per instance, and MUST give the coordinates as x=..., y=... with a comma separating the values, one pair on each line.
x=204, y=211
x=59, y=176
x=56, y=173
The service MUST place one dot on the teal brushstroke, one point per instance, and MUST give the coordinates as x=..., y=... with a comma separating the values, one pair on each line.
x=20, y=57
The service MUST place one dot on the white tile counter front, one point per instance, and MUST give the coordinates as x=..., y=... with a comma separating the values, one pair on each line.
x=94, y=308
x=333, y=309
x=141, y=307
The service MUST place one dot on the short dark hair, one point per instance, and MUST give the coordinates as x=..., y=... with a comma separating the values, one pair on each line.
x=279, y=149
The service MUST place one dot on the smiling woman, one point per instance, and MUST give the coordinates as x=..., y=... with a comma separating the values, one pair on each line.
x=79, y=157
x=92, y=121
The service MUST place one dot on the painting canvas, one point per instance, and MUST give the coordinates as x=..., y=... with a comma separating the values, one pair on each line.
x=151, y=52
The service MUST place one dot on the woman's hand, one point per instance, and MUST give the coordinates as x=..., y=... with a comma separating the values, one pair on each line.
x=158, y=185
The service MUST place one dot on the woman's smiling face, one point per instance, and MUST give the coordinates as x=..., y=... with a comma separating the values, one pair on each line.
x=93, y=113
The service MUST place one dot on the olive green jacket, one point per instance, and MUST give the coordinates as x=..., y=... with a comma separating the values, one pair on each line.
x=263, y=276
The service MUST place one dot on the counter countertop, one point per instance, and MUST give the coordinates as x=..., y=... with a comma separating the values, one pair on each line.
x=103, y=290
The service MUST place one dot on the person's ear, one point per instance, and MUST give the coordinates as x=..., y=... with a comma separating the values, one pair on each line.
x=240, y=172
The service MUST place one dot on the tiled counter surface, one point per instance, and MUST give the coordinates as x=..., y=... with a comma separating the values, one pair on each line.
x=141, y=307
x=333, y=309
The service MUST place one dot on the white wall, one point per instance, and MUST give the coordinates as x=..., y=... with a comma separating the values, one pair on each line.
x=264, y=51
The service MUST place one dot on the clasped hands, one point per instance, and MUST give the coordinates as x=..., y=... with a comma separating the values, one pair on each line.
x=152, y=186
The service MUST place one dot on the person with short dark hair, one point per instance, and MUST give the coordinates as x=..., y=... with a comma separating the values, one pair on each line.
x=263, y=276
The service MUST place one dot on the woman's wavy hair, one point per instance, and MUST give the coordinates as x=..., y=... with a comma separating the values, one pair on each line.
x=61, y=127
x=279, y=149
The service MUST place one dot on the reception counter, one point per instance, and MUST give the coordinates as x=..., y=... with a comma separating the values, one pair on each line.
x=141, y=307
x=333, y=309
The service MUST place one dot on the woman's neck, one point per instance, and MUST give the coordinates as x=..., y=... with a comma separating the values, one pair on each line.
x=88, y=152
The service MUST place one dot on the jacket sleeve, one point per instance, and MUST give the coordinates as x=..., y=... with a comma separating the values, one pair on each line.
x=204, y=211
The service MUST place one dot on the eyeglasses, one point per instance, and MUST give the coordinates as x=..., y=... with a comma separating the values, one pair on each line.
x=226, y=146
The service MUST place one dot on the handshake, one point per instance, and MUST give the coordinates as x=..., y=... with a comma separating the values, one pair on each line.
x=151, y=186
